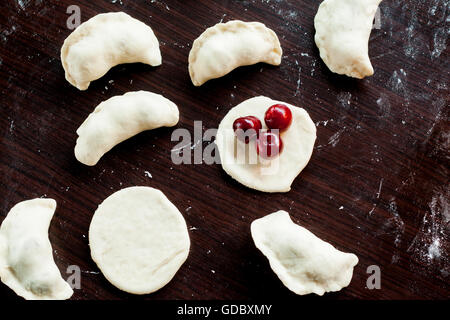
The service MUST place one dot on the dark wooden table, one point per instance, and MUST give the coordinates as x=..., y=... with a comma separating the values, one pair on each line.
x=377, y=184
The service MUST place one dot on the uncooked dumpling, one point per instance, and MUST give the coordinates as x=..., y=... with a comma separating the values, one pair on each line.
x=104, y=41
x=303, y=262
x=120, y=118
x=26, y=258
x=138, y=239
x=226, y=46
x=342, y=35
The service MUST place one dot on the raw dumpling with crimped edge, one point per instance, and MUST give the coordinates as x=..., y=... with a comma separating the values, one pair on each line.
x=104, y=41
x=26, y=255
x=120, y=118
x=303, y=262
x=342, y=35
x=227, y=46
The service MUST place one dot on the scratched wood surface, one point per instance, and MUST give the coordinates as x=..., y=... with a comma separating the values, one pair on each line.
x=377, y=184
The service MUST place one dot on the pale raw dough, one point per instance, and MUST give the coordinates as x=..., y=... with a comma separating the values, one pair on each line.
x=26, y=255
x=104, y=41
x=120, y=118
x=342, y=35
x=303, y=262
x=269, y=176
x=226, y=46
x=138, y=239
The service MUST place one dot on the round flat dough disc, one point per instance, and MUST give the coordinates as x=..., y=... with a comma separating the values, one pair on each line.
x=240, y=160
x=138, y=239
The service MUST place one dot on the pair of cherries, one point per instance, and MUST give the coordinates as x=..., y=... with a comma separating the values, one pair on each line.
x=268, y=143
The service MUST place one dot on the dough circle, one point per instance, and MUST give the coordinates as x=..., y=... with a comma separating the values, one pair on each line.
x=276, y=175
x=138, y=239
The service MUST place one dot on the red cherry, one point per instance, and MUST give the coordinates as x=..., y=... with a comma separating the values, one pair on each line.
x=278, y=117
x=269, y=144
x=247, y=128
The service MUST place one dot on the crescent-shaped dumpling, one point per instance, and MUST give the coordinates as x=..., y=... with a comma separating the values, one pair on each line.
x=104, y=41
x=342, y=35
x=303, y=262
x=120, y=118
x=26, y=258
x=226, y=46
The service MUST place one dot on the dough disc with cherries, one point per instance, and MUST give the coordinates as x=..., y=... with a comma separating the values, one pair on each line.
x=241, y=160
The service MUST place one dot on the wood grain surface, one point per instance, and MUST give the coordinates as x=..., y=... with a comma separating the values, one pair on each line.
x=377, y=184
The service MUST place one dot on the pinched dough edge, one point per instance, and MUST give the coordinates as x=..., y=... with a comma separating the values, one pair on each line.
x=233, y=26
